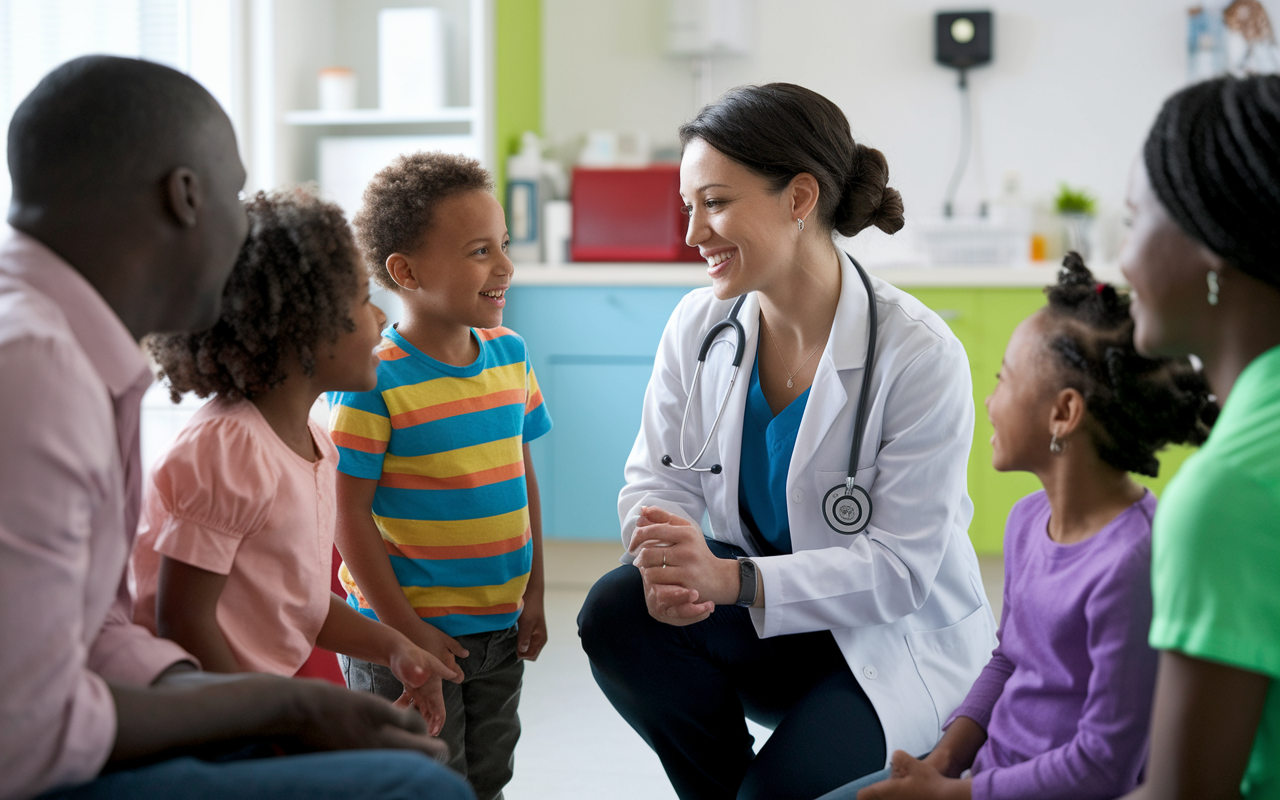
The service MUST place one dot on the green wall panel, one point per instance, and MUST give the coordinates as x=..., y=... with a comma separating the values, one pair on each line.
x=517, y=78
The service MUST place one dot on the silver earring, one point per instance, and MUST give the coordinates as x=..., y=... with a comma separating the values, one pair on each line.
x=1212, y=278
x=1055, y=445
x=800, y=224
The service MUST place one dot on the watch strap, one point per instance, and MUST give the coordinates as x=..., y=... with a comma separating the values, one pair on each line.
x=747, y=592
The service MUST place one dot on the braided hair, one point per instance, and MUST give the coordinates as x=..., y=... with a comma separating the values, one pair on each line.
x=1136, y=405
x=1213, y=156
x=289, y=293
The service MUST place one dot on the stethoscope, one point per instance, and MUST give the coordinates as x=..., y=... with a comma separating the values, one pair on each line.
x=847, y=506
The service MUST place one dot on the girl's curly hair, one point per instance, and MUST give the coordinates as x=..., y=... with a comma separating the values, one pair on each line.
x=289, y=292
x=1136, y=405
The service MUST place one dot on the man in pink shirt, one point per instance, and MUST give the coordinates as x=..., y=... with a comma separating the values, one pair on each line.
x=125, y=221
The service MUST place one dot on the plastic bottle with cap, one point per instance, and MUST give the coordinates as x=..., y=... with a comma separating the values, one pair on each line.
x=524, y=200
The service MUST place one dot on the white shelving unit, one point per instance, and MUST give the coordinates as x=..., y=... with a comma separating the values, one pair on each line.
x=291, y=40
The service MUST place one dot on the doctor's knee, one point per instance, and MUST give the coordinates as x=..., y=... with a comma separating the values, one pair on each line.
x=611, y=610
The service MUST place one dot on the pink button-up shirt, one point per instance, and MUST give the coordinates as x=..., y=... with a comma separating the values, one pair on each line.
x=71, y=384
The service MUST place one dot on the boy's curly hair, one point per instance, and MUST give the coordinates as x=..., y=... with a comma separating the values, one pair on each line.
x=1136, y=405
x=289, y=292
x=400, y=202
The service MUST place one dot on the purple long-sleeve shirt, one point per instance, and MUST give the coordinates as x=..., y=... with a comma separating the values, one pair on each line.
x=1066, y=698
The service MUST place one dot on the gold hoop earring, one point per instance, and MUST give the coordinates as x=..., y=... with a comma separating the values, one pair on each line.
x=1212, y=279
x=1055, y=445
x=800, y=224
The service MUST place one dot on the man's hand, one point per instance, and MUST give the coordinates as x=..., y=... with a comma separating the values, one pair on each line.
x=913, y=779
x=332, y=718
x=532, y=626
x=190, y=709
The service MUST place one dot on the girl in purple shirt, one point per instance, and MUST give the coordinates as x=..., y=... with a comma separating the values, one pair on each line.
x=1062, y=708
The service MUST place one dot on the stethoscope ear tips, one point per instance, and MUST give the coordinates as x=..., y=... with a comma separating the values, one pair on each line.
x=666, y=461
x=715, y=469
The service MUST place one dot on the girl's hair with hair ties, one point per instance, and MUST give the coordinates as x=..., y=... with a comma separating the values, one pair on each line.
x=289, y=292
x=1136, y=405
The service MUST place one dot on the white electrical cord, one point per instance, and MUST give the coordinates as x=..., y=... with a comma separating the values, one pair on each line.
x=966, y=144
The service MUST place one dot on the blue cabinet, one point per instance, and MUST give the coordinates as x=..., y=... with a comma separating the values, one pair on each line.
x=592, y=348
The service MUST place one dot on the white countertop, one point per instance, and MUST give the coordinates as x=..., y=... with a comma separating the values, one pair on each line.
x=689, y=274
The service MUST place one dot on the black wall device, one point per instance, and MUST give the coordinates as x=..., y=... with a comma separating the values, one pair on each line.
x=963, y=38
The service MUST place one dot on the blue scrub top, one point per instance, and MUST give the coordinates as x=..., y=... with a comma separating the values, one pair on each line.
x=767, y=444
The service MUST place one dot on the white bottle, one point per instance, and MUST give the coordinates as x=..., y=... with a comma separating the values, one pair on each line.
x=524, y=200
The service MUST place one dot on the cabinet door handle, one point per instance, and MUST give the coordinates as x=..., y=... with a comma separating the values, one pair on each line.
x=949, y=313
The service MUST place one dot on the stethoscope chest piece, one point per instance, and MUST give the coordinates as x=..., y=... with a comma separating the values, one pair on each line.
x=847, y=509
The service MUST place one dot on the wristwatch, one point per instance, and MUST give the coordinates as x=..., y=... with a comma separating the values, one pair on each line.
x=747, y=593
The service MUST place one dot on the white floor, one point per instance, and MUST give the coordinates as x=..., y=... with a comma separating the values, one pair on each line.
x=574, y=745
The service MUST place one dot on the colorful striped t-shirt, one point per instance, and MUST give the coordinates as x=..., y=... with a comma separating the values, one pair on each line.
x=445, y=444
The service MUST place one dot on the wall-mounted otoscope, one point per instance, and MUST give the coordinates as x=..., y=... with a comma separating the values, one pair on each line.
x=962, y=39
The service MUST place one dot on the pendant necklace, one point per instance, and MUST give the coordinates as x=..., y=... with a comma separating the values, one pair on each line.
x=791, y=373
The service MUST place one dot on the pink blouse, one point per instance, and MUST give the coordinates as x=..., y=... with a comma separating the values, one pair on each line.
x=231, y=497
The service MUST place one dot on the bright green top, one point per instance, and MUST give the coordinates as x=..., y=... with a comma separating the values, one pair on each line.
x=1215, y=566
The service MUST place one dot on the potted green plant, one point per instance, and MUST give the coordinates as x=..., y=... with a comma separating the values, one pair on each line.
x=1077, y=208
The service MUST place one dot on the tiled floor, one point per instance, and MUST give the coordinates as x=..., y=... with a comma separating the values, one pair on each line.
x=574, y=745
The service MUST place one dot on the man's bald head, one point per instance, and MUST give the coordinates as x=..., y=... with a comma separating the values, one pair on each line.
x=129, y=171
x=100, y=125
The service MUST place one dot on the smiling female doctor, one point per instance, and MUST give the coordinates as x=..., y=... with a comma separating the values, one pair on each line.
x=858, y=622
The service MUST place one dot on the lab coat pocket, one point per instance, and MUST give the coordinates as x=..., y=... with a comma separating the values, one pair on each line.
x=949, y=659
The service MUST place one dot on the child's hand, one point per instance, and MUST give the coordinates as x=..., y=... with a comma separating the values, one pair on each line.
x=440, y=645
x=913, y=779
x=414, y=666
x=533, y=626
x=427, y=700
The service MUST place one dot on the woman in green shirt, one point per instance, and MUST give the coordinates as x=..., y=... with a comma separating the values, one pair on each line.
x=1203, y=258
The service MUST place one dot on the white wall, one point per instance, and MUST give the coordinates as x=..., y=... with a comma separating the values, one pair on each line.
x=1069, y=96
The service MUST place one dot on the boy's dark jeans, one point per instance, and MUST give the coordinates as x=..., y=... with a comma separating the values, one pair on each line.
x=481, y=726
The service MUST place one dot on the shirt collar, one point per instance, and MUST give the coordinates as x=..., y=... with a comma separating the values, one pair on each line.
x=847, y=342
x=101, y=334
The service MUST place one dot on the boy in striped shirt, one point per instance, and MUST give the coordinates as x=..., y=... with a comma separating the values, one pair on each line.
x=438, y=514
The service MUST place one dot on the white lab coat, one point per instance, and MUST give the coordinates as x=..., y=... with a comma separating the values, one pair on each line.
x=904, y=600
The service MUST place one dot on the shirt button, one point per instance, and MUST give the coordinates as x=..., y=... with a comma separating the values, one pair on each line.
x=797, y=496
x=869, y=673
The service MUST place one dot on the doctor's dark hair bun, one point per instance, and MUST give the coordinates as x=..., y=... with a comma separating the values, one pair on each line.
x=780, y=130
x=1136, y=405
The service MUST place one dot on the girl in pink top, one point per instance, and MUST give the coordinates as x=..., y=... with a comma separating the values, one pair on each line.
x=236, y=541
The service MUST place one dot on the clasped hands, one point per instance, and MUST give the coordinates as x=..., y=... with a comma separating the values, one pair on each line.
x=683, y=580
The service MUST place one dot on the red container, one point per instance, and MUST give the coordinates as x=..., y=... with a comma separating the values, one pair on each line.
x=629, y=215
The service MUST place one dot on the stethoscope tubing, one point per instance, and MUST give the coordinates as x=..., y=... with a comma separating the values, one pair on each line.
x=740, y=347
x=841, y=506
